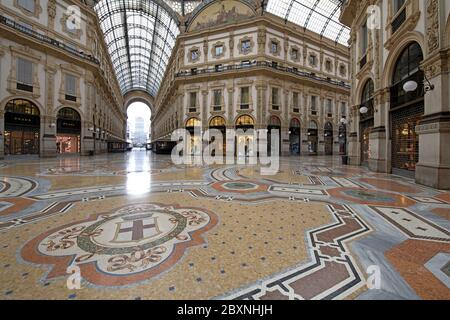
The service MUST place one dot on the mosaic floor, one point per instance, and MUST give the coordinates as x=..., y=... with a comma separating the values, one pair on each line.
x=136, y=227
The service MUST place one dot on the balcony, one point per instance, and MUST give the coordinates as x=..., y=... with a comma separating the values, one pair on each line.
x=43, y=38
x=262, y=65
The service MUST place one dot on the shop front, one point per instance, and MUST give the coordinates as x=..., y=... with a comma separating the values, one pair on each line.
x=68, y=132
x=244, y=140
x=407, y=110
x=218, y=123
x=295, y=137
x=22, y=128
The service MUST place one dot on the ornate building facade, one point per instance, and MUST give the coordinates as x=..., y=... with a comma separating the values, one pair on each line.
x=58, y=90
x=236, y=66
x=400, y=109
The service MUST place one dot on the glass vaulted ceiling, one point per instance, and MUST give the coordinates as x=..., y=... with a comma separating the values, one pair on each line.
x=320, y=16
x=140, y=35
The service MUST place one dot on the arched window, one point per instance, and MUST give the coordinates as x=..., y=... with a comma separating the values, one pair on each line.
x=217, y=122
x=69, y=114
x=245, y=121
x=313, y=125
x=407, y=68
x=367, y=93
x=192, y=123
x=408, y=63
x=295, y=123
x=21, y=106
x=367, y=100
x=274, y=121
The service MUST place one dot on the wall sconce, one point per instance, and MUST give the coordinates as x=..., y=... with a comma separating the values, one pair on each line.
x=344, y=121
x=52, y=125
x=363, y=110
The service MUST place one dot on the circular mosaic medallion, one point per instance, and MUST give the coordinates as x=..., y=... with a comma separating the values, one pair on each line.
x=240, y=186
x=124, y=246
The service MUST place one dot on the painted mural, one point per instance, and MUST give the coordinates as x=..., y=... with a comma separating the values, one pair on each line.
x=221, y=12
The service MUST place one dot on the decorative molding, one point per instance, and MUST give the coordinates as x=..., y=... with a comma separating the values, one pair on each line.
x=432, y=26
x=75, y=33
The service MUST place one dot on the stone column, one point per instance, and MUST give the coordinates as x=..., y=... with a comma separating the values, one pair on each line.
x=2, y=116
x=48, y=121
x=2, y=137
x=378, y=135
x=285, y=142
x=354, y=151
x=433, y=168
x=48, y=132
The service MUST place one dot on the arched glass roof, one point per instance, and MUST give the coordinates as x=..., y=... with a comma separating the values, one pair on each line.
x=140, y=36
x=320, y=16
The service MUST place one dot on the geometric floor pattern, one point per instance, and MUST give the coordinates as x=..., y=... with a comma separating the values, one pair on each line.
x=134, y=226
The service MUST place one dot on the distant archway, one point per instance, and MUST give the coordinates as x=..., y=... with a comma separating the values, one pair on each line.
x=139, y=123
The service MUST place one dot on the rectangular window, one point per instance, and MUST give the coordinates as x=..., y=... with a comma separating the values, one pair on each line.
x=294, y=54
x=219, y=50
x=71, y=85
x=194, y=55
x=343, y=109
x=275, y=99
x=217, y=98
x=193, y=102
x=295, y=99
x=245, y=45
x=245, y=97
x=295, y=102
x=313, y=103
x=364, y=39
x=28, y=5
x=24, y=71
x=312, y=60
x=329, y=106
x=274, y=47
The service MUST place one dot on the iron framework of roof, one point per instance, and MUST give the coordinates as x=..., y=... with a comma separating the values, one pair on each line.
x=319, y=16
x=140, y=36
